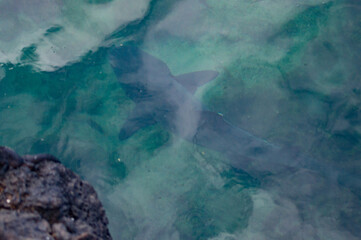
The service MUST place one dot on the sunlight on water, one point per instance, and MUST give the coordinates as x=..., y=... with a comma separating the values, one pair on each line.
x=268, y=148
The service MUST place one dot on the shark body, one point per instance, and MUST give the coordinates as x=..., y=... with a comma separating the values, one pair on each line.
x=288, y=176
x=166, y=99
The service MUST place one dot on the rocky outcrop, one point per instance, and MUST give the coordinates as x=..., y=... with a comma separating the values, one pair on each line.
x=41, y=199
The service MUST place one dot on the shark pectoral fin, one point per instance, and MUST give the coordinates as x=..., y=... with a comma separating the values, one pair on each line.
x=191, y=81
x=134, y=123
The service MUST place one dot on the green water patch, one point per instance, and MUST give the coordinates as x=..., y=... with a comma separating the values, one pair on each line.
x=29, y=55
x=322, y=83
x=183, y=184
x=247, y=94
x=204, y=214
x=67, y=106
x=53, y=30
x=145, y=144
x=306, y=25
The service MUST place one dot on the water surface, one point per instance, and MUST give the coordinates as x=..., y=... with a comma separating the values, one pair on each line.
x=289, y=74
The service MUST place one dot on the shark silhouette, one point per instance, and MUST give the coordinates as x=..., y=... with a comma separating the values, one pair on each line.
x=168, y=100
x=162, y=98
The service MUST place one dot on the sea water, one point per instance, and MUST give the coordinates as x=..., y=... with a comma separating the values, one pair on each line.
x=289, y=73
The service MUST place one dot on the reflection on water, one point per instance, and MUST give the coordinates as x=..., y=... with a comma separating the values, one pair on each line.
x=288, y=80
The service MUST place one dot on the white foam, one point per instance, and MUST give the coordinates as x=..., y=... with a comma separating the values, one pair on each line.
x=83, y=27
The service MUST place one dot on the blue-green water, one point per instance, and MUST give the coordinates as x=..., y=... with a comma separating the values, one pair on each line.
x=289, y=73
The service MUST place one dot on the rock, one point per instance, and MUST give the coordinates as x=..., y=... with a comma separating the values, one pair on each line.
x=21, y=225
x=41, y=199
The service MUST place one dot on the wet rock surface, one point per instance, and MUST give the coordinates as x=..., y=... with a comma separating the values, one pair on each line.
x=41, y=199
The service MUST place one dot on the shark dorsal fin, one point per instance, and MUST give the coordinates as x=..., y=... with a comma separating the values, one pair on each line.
x=191, y=81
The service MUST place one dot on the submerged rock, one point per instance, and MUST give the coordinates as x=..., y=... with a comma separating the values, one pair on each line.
x=41, y=199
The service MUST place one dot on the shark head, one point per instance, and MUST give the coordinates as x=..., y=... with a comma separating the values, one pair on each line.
x=124, y=60
x=132, y=65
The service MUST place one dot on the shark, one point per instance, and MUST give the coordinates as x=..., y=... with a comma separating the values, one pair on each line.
x=285, y=173
x=166, y=99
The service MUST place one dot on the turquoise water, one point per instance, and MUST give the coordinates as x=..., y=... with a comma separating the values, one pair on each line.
x=289, y=73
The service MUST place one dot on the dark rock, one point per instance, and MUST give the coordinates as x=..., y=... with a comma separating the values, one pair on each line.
x=21, y=225
x=41, y=199
x=9, y=158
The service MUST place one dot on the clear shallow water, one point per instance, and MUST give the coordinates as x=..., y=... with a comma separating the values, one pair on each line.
x=288, y=74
